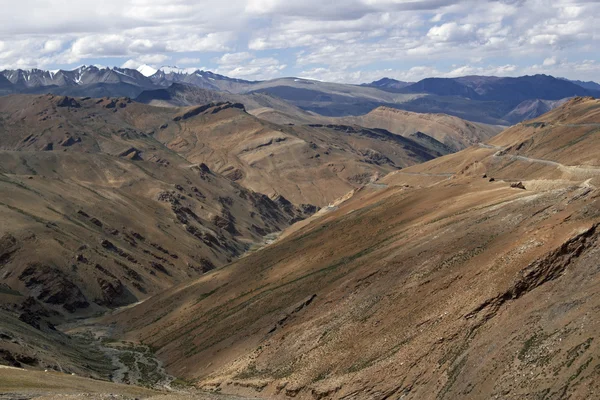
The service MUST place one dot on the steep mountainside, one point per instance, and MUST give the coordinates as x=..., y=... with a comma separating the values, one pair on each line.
x=454, y=132
x=313, y=164
x=329, y=99
x=530, y=109
x=102, y=215
x=95, y=90
x=432, y=283
x=490, y=100
x=6, y=87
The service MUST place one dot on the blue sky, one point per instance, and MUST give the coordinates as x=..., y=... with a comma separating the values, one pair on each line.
x=335, y=40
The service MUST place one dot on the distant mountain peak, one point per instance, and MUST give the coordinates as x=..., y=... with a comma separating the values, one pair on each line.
x=388, y=84
x=384, y=81
x=146, y=70
x=590, y=85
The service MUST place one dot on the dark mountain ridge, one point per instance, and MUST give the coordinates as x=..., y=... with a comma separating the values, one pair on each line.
x=388, y=84
x=512, y=90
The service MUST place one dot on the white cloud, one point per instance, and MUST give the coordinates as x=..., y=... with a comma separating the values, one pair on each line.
x=188, y=61
x=255, y=68
x=549, y=61
x=153, y=58
x=133, y=64
x=148, y=59
x=52, y=46
x=350, y=38
x=413, y=74
x=585, y=69
x=233, y=58
x=465, y=70
x=437, y=18
x=451, y=32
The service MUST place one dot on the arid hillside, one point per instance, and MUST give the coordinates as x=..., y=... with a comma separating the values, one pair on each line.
x=112, y=202
x=313, y=164
x=471, y=276
x=454, y=132
x=560, y=145
x=94, y=218
x=306, y=165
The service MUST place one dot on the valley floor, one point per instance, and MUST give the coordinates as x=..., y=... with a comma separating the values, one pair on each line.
x=21, y=384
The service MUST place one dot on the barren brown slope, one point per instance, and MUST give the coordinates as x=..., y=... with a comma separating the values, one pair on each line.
x=106, y=216
x=454, y=132
x=306, y=164
x=313, y=165
x=560, y=145
x=462, y=288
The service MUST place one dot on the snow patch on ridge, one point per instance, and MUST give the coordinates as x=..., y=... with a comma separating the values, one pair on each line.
x=147, y=70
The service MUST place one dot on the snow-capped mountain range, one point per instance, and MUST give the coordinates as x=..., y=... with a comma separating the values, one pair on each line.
x=145, y=77
x=84, y=75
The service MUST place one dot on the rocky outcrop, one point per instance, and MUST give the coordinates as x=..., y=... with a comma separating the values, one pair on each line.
x=70, y=141
x=544, y=270
x=235, y=174
x=117, y=103
x=114, y=293
x=374, y=157
x=35, y=314
x=131, y=153
x=216, y=107
x=293, y=311
x=50, y=285
x=225, y=221
x=65, y=101
x=8, y=246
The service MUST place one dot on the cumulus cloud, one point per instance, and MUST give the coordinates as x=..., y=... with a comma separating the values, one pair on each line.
x=412, y=74
x=452, y=32
x=133, y=64
x=246, y=66
x=584, y=69
x=548, y=62
x=188, y=61
x=333, y=40
x=233, y=58
x=148, y=59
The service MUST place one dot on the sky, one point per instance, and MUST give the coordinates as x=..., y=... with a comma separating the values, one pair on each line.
x=352, y=41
